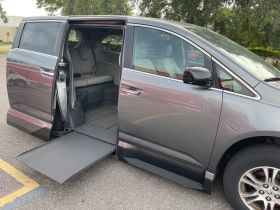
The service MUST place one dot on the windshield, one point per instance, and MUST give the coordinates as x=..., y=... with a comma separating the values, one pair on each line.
x=248, y=60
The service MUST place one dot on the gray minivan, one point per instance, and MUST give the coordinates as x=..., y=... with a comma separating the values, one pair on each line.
x=174, y=99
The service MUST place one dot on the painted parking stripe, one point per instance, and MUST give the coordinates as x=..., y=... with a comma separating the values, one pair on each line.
x=28, y=184
x=24, y=199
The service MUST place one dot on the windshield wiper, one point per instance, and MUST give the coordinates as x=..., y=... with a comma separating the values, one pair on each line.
x=273, y=79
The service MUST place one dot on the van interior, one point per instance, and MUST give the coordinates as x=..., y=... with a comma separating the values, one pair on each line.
x=87, y=86
x=94, y=54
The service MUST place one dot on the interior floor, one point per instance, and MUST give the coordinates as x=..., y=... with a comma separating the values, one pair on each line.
x=104, y=116
x=101, y=123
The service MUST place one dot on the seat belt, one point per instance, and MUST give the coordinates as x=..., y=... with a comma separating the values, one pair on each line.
x=92, y=59
x=71, y=85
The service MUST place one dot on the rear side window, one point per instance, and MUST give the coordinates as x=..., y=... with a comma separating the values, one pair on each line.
x=112, y=43
x=40, y=37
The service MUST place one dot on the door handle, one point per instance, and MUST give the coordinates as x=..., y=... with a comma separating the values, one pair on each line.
x=129, y=90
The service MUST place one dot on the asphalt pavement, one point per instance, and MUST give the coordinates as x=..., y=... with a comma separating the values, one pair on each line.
x=110, y=184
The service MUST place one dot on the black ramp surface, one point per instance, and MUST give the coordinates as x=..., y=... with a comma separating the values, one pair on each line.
x=66, y=156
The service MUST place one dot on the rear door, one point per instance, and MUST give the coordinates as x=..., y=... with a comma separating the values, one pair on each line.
x=172, y=124
x=31, y=67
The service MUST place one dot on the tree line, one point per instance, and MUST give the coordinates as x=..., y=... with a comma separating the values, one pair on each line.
x=252, y=23
x=86, y=7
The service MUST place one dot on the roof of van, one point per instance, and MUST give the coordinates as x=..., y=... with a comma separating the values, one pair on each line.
x=127, y=19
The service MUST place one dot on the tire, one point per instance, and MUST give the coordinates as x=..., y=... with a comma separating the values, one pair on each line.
x=254, y=161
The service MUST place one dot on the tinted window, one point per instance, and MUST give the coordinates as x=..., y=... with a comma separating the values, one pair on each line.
x=40, y=37
x=112, y=43
x=164, y=54
x=229, y=83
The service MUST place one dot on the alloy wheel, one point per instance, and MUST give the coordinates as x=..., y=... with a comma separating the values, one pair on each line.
x=259, y=188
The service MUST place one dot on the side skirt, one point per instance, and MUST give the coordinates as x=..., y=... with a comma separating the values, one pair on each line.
x=163, y=166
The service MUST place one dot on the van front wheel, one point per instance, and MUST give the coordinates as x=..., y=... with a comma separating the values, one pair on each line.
x=252, y=178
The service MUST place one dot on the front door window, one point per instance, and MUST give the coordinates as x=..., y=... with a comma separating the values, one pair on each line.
x=161, y=53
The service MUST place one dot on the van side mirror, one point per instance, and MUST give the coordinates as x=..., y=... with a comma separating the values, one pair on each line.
x=198, y=76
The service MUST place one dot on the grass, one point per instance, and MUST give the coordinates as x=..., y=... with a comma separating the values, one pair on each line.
x=4, y=51
x=276, y=64
x=5, y=43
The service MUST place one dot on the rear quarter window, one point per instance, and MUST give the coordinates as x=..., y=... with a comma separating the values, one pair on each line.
x=40, y=37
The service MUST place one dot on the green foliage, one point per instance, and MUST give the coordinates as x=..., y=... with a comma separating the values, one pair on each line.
x=277, y=65
x=86, y=7
x=115, y=7
x=198, y=12
x=251, y=23
x=51, y=5
x=5, y=43
x=266, y=52
x=3, y=14
x=273, y=56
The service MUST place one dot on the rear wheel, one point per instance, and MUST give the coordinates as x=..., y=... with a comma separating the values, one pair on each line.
x=252, y=178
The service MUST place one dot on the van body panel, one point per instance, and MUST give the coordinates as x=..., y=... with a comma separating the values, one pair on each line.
x=29, y=124
x=30, y=82
x=160, y=164
x=245, y=118
x=171, y=114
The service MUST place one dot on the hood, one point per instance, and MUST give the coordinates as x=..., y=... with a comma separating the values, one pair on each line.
x=270, y=92
x=275, y=84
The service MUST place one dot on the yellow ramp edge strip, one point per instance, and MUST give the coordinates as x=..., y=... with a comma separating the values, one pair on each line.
x=28, y=184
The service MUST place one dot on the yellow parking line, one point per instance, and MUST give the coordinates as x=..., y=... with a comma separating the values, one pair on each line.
x=28, y=184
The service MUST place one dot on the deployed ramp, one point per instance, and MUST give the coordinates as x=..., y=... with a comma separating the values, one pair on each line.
x=66, y=156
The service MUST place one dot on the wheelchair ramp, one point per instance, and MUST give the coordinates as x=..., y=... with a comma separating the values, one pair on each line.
x=66, y=156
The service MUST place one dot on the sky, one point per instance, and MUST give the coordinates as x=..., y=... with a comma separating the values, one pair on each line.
x=22, y=8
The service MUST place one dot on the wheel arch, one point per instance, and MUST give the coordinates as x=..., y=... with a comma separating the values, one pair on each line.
x=240, y=145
